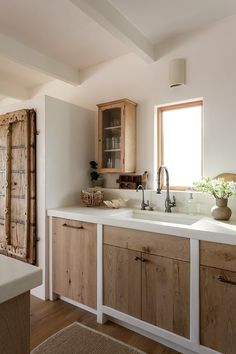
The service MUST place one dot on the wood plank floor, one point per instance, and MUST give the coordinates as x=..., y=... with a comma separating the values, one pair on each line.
x=48, y=317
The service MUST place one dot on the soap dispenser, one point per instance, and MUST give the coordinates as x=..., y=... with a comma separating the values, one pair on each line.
x=190, y=206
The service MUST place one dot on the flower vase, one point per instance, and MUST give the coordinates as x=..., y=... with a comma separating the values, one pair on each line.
x=221, y=211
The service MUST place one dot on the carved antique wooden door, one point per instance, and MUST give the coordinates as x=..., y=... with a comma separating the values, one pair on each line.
x=18, y=184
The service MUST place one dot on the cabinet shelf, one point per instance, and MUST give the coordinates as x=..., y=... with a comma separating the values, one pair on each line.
x=112, y=128
x=111, y=150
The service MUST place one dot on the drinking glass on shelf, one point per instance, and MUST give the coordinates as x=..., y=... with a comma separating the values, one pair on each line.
x=109, y=163
x=113, y=142
x=116, y=123
x=117, y=142
x=107, y=143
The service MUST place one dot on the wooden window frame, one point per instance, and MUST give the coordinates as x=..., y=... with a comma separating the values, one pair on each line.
x=160, y=137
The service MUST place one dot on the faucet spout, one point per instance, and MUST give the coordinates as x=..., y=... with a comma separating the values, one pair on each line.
x=168, y=203
x=143, y=204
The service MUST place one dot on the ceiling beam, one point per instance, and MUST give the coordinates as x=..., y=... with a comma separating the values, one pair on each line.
x=107, y=16
x=13, y=90
x=20, y=53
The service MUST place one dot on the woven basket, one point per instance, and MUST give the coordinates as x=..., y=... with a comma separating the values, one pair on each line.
x=92, y=197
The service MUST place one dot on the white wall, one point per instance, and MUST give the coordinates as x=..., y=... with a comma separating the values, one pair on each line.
x=69, y=148
x=211, y=74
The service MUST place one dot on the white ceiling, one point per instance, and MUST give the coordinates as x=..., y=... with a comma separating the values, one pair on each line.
x=59, y=29
x=160, y=20
x=77, y=38
x=18, y=73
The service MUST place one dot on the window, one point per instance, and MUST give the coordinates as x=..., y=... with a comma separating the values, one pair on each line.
x=180, y=142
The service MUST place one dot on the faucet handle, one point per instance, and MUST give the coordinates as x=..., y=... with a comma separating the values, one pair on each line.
x=174, y=201
x=149, y=205
x=172, y=204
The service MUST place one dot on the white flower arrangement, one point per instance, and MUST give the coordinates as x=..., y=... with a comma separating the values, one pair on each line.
x=219, y=188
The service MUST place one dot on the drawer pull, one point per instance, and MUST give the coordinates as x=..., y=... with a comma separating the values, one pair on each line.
x=140, y=259
x=73, y=227
x=137, y=258
x=223, y=280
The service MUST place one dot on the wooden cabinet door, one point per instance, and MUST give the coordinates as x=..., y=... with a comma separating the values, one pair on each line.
x=117, y=136
x=75, y=260
x=165, y=293
x=122, y=280
x=18, y=185
x=111, y=133
x=218, y=309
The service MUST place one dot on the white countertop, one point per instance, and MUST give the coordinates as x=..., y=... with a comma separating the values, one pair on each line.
x=205, y=228
x=17, y=277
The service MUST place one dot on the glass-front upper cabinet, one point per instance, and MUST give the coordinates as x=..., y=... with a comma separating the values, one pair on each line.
x=117, y=136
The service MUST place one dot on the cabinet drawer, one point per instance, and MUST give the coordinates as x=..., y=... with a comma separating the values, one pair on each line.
x=148, y=242
x=71, y=225
x=218, y=309
x=218, y=255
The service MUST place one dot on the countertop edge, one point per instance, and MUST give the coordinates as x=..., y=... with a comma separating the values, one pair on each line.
x=21, y=284
x=198, y=230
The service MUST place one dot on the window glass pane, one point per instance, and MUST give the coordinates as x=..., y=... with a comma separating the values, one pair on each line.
x=182, y=144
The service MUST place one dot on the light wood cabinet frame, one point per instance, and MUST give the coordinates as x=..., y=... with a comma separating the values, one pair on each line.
x=127, y=138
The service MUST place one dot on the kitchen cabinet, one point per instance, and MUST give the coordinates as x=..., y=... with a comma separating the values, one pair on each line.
x=165, y=293
x=157, y=267
x=117, y=136
x=218, y=296
x=74, y=247
x=122, y=279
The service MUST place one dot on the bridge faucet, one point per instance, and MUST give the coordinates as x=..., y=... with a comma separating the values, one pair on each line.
x=143, y=204
x=168, y=203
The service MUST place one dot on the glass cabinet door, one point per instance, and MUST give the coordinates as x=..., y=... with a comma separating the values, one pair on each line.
x=111, y=133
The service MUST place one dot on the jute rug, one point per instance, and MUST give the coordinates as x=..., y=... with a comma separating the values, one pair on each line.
x=79, y=339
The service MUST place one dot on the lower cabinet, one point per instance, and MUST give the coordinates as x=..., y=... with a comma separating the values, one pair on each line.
x=122, y=280
x=151, y=287
x=74, y=247
x=218, y=296
x=165, y=293
x=218, y=309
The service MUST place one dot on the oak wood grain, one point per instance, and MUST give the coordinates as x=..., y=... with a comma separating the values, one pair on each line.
x=149, y=242
x=18, y=184
x=165, y=293
x=122, y=279
x=75, y=260
x=15, y=325
x=218, y=310
x=218, y=255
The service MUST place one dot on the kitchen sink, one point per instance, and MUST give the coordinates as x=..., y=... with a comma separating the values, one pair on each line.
x=173, y=218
